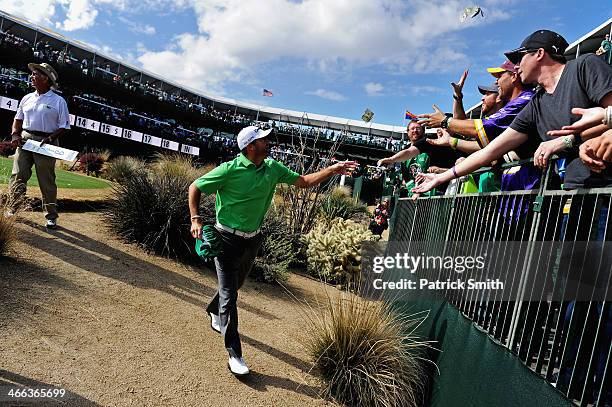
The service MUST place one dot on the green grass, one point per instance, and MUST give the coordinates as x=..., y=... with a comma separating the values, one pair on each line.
x=64, y=179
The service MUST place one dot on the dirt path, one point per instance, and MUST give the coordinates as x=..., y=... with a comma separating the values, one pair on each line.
x=117, y=327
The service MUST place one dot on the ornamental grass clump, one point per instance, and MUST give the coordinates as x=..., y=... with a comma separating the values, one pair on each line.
x=7, y=230
x=366, y=353
x=150, y=207
x=122, y=168
x=340, y=204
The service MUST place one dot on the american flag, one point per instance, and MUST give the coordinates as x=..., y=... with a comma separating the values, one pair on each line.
x=266, y=92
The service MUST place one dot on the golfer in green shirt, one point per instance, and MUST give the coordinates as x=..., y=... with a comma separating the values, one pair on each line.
x=244, y=189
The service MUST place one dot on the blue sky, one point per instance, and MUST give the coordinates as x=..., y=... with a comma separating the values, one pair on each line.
x=334, y=57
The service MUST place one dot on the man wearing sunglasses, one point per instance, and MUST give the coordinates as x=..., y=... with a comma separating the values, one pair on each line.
x=584, y=82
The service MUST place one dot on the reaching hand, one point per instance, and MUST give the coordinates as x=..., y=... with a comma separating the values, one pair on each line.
x=545, y=150
x=590, y=118
x=443, y=139
x=383, y=162
x=426, y=182
x=433, y=119
x=595, y=152
x=458, y=87
x=344, y=167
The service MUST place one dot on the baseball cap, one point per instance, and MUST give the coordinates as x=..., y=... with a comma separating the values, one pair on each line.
x=552, y=43
x=250, y=134
x=507, y=66
x=487, y=89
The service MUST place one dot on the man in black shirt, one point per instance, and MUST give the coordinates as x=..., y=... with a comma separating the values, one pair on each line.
x=584, y=82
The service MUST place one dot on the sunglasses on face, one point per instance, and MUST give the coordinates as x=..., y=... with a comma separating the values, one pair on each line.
x=525, y=52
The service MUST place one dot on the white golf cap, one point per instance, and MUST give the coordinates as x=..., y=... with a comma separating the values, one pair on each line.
x=250, y=134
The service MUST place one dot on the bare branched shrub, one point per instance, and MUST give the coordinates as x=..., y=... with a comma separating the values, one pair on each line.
x=301, y=206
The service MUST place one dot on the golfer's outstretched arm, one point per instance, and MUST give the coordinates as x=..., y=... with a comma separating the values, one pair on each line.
x=310, y=180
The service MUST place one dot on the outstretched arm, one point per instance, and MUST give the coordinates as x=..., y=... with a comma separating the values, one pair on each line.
x=310, y=180
x=507, y=141
x=465, y=127
x=403, y=155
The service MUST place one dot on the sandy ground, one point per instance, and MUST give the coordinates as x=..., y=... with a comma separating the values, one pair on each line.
x=114, y=326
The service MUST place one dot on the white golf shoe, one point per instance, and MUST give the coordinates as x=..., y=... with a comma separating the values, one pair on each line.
x=238, y=366
x=215, y=322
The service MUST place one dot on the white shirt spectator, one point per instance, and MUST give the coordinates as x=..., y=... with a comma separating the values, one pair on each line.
x=47, y=112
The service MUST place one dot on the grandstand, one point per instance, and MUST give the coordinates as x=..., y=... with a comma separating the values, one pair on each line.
x=111, y=98
x=524, y=337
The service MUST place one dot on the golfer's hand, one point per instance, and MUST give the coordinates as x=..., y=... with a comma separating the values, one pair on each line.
x=590, y=118
x=344, y=167
x=196, y=229
x=545, y=150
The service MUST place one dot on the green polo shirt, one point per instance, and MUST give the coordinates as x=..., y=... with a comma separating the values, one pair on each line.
x=244, y=191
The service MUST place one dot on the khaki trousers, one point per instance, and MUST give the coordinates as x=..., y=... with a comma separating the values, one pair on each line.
x=45, y=172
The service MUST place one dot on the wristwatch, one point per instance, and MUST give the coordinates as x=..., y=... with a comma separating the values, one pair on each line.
x=445, y=122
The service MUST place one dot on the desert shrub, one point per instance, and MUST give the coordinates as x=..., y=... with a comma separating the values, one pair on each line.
x=123, y=167
x=91, y=163
x=105, y=155
x=340, y=204
x=6, y=149
x=66, y=165
x=150, y=207
x=7, y=230
x=301, y=206
x=277, y=251
x=177, y=165
x=366, y=353
x=334, y=250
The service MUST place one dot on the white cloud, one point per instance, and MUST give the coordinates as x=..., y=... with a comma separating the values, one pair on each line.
x=138, y=28
x=236, y=36
x=373, y=89
x=38, y=11
x=80, y=14
x=426, y=89
x=328, y=94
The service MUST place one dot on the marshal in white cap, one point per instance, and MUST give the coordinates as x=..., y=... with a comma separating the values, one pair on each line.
x=250, y=134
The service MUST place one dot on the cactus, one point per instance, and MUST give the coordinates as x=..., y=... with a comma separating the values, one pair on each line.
x=334, y=250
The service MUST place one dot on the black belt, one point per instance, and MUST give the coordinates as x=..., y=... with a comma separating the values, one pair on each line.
x=37, y=133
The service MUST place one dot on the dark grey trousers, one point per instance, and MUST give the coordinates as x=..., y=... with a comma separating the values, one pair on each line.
x=233, y=265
